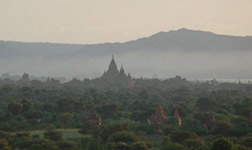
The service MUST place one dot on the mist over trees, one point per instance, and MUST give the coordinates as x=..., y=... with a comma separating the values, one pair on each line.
x=189, y=53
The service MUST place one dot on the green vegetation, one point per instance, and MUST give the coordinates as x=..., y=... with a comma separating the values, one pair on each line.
x=55, y=116
x=69, y=134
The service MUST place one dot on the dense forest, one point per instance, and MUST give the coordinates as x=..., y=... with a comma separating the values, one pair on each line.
x=83, y=115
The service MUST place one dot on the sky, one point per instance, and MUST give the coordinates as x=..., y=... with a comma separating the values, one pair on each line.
x=99, y=21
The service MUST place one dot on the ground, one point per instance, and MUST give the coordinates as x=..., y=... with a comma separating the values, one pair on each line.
x=68, y=134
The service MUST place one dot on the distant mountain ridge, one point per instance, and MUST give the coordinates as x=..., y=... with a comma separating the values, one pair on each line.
x=189, y=53
x=182, y=40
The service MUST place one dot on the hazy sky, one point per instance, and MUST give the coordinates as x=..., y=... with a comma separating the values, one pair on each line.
x=95, y=21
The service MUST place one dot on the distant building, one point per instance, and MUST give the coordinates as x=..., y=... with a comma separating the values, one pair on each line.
x=158, y=117
x=94, y=119
x=114, y=77
x=176, y=115
x=209, y=122
x=52, y=82
x=74, y=82
x=25, y=80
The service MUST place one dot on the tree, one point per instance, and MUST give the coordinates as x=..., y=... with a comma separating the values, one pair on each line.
x=206, y=104
x=66, y=145
x=53, y=134
x=66, y=118
x=222, y=143
x=4, y=145
x=121, y=146
x=144, y=94
x=241, y=147
x=124, y=136
x=105, y=131
x=141, y=115
x=95, y=144
x=173, y=146
x=193, y=144
x=42, y=144
x=87, y=128
x=33, y=114
x=79, y=107
x=26, y=105
x=181, y=136
x=139, y=146
x=108, y=109
x=221, y=127
x=246, y=141
x=89, y=143
x=48, y=107
x=66, y=105
x=204, y=117
x=168, y=129
x=15, y=108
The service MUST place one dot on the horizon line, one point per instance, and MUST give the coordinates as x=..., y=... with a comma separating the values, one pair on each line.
x=193, y=30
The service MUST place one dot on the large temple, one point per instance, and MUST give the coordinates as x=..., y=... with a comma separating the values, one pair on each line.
x=115, y=77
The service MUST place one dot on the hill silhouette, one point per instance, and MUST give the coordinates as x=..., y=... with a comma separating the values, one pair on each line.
x=160, y=48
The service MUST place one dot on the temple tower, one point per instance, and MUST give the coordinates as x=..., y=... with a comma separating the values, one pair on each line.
x=176, y=114
x=113, y=77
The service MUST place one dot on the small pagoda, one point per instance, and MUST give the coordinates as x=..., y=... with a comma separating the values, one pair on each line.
x=209, y=122
x=25, y=79
x=94, y=118
x=158, y=117
x=176, y=115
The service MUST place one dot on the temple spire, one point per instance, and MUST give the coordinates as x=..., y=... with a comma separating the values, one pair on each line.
x=112, y=70
x=176, y=114
x=122, y=70
x=122, y=66
x=115, y=77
